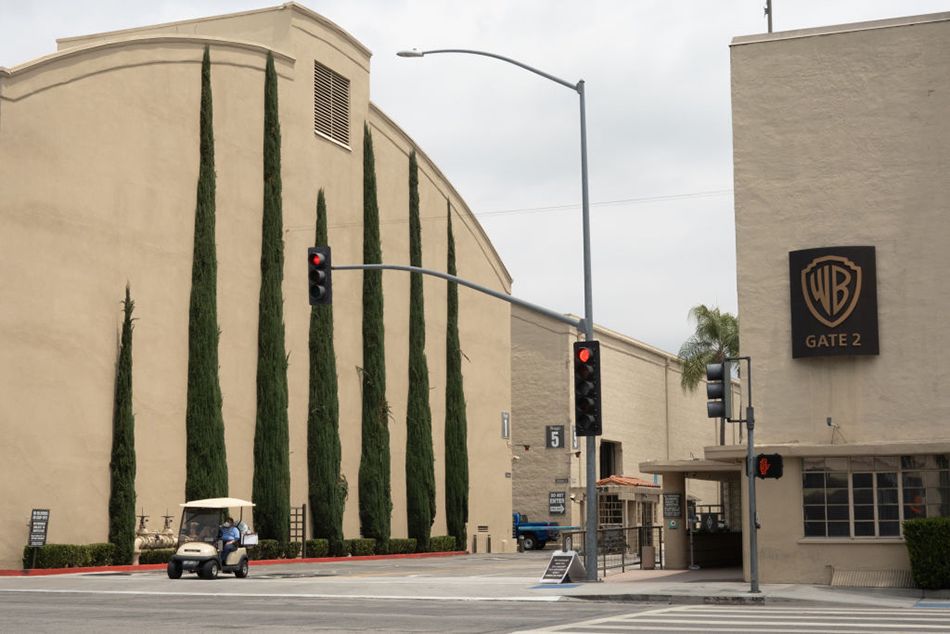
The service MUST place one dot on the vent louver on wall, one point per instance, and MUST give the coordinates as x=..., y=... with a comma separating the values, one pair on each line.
x=331, y=104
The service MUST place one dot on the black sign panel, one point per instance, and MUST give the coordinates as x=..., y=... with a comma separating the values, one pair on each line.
x=834, y=301
x=557, y=502
x=39, y=525
x=672, y=505
x=557, y=568
x=554, y=437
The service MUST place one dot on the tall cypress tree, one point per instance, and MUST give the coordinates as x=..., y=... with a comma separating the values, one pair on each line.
x=271, y=443
x=206, y=466
x=420, y=461
x=327, y=489
x=374, y=487
x=122, y=465
x=456, y=433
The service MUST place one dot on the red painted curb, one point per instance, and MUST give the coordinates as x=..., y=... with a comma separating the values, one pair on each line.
x=38, y=572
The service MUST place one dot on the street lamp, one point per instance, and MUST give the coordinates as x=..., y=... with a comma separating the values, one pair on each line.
x=590, y=537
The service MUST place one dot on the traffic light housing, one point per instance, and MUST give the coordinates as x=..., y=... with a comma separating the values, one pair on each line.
x=719, y=390
x=768, y=465
x=587, y=418
x=318, y=275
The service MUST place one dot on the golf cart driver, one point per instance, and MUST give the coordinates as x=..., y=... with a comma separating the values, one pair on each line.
x=205, y=530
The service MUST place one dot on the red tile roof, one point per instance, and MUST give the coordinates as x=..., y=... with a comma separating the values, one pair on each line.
x=626, y=481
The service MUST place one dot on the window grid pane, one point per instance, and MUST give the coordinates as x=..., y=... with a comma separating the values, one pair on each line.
x=871, y=496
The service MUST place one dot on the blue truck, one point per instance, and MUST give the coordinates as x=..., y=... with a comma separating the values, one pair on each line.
x=535, y=535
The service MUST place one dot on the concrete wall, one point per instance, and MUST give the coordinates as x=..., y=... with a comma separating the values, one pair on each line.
x=644, y=410
x=99, y=162
x=841, y=138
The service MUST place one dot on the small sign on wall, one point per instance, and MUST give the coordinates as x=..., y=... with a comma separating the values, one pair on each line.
x=554, y=438
x=557, y=502
x=833, y=301
x=672, y=505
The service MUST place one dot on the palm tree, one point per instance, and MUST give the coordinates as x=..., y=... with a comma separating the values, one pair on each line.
x=716, y=337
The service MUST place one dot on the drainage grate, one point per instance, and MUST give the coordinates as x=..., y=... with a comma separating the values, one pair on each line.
x=872, y=579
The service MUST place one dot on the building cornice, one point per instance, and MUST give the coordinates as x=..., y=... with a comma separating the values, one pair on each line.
x=837, y=29
x=198, y=40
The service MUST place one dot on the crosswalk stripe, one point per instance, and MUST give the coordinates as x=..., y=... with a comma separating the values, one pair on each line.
x=704, y=628
x=800, y=617
x=686, y=621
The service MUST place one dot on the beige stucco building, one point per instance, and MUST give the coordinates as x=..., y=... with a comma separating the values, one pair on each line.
x=842, y=143
x=98, y=171
x=647, y=416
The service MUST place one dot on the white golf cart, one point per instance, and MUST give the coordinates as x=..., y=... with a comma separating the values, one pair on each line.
x=199, y=540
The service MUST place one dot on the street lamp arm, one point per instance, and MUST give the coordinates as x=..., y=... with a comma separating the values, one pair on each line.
x=417, y=53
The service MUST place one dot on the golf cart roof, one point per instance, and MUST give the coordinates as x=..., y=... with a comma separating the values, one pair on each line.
x=217, y=503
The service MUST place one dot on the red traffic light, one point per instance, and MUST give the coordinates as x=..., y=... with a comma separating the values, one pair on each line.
x=584, y=354
x=316, y=259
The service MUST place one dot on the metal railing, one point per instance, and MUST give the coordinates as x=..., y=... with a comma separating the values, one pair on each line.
x=621, y=546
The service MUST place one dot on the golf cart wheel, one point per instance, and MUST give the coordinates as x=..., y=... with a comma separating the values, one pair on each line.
x=242, y=570
x=209, y=569
x=174, y=570
x=529, y=542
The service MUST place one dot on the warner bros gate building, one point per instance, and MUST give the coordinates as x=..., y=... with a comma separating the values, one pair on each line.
x=841, y=156
x=98, y=171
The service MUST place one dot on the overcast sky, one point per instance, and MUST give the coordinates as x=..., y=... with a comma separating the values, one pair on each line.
x=658, y=113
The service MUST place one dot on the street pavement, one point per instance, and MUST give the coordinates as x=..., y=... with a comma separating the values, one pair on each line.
x=464, y=593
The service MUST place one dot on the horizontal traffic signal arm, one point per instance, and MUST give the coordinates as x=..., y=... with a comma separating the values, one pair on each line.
x=566, y=319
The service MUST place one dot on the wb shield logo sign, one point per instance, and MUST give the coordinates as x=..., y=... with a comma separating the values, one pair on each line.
x=831, y=285
x=833, y=301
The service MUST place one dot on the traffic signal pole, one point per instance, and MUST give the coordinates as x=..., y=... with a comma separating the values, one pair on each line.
x=749, y=420
x=567, y=319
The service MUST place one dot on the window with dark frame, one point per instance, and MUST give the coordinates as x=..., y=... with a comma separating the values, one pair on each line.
x=869, y=496
x=331, y=104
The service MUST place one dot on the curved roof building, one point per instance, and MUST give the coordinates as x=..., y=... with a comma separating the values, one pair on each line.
x=98, y=166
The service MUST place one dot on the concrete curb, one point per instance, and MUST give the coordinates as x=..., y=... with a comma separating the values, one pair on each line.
x=680, y=599
x=40, y=572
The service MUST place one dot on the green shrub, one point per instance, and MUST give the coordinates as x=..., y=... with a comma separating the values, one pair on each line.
x=317, y=548
x=362, y=546
x=338, y=548
x=398, y=547
x=928, y=544
x=443, y=544
x=265, y=549
x=291, y=550
x=56, y=556
x=102, y=554
x=156, y=556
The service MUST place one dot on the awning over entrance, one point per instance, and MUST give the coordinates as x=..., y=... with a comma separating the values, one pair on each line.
x=716, y=470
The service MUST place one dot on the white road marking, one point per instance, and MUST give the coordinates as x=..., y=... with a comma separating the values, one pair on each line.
x=765, y=619
x=252, y=595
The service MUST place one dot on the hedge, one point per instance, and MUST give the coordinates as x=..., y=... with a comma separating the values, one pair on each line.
x=89, y=555
x=69, y=555
x=397, y=547
x=360, y=546
x=317, y=548
x=442, y=544
x=156, y=556
x=928, y=544
x=272, y=549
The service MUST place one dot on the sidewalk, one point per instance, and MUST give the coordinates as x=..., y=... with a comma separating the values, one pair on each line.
x=725, y=586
